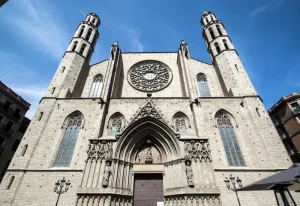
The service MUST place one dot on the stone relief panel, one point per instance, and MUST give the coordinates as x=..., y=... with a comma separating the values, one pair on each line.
x=148, y=154
x=99, y=150
x=197, y=149
x=149, y=76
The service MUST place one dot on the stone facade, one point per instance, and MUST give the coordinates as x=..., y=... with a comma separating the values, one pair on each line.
x=13, y=125
x=128, y=125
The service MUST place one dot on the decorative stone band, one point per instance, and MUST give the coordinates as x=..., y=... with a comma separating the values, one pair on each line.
x=197, y=150
x=189, y=200
x=102, y=200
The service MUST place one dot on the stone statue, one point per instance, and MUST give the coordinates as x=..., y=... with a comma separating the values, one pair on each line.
x=109, y=151
x=149, y=155
x=189, y=173
x=106, y=174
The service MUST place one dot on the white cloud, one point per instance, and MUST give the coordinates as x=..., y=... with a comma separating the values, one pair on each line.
x=267, y=8
x=134, y=36
x=258, y=10
x=39, y=26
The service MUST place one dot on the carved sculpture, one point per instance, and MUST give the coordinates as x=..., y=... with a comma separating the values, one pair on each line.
x=99, y=150
x=106, y=174
x=149, y=156
x=189, y=173
x=185, y=49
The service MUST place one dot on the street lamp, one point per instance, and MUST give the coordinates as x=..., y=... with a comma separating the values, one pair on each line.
x=60, y=187
x=232, y=186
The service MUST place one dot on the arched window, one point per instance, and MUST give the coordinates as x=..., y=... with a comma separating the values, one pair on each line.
x=225, y=44
x=116, y=122
x=96, y=86
x=211, y=33
x=180, y=122
x=231, y=145
x=219, y=30
x=217, y=47
x=93, y=21
x=206, y=20
x=88, y=35
x=203, y=85
x=81, y=31
x=40, y=116
x=74, y=45
x=82, y=49
x=66, y=149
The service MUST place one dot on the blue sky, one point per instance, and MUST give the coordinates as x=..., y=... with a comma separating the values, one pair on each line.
x=35, y=34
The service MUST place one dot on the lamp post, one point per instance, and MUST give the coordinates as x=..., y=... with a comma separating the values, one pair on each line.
x=60, y=187
x=233, y=186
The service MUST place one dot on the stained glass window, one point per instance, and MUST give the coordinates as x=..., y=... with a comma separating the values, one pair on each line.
x=66, y=149
x=180, y=123
x=116, y=126
x=203, y=85
x=231, y=145
x=96, y=86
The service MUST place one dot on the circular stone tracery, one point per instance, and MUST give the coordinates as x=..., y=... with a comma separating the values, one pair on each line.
x=149, y=75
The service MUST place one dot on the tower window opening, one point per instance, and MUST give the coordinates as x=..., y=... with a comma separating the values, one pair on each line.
x=211, y=33
x=74, y=45
x=93, y=21
x=63, y=69
x=236, y=67
x=88, y=34
x=206, y=19
x=225, y=44
x=88, y=18
x=11, y=180
x=53, y=90
x=257, y=111
x=81, y=31
x=217, y=47
x=24, y=150
x=40, y=116
x=82, y=49
x=219, y=30
x=212, y=18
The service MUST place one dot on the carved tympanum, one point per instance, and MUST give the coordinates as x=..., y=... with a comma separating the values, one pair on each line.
x=197, y=149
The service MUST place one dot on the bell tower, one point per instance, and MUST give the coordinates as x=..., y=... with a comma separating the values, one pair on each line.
x=71, y=74
x=232, y=74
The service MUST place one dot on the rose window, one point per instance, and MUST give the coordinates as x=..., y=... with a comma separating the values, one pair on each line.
x=149, y=75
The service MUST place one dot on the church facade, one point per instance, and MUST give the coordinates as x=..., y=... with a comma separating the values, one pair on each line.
x=143, y=128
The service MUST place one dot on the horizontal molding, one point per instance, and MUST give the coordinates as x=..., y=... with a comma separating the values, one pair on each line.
x=243, y=169
x=43, y=170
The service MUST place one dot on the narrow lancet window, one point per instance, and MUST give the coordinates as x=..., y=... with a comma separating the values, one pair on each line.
x=81, y=31
x=203, y=85
x=88, y=34
x=24, y=150
x=66, y=149
x=40, y=116
x=74, y=46
x=180, y=123
x=96, y=86
x=225, y=44
x=217, y=47
x=231, y=145
x=53, y=90
x=82, y=49
x=219, y=30
x=211, y=33
x=116, y=126
x=11, y=180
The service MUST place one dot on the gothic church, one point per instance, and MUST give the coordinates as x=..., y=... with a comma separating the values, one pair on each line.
x=146, y=129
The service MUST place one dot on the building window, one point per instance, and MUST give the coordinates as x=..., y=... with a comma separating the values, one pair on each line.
x=295, y=106
x=24, y=150
x=15, y=145
x=231, y=145
x=63, y=69
x=116, y=126
x=219, y=30
x=211, y=33
x=206, y=20
x=89, y=34
x=217, y=47
x=96, y=86
x=8, y=126
x=17, y=113
x=81, y=31
x=203, y=85
x=180, y=121
x=66, y=149
x=257, y=111
x=11, y=180
x=93, y=21
x=236, y=67
x=74, y=45
x=40, y=116
x=225, y=44
x=6, y=105
x=82, y=49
